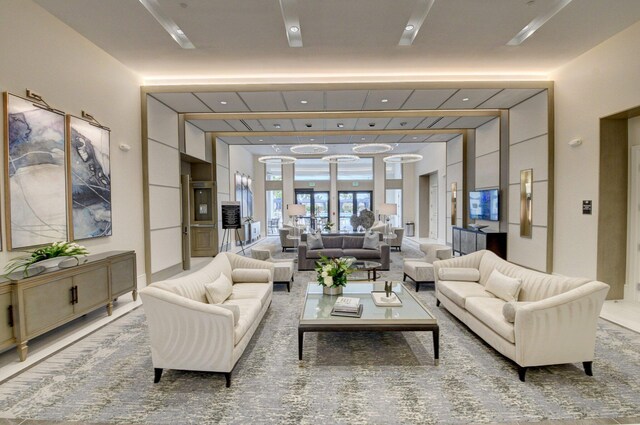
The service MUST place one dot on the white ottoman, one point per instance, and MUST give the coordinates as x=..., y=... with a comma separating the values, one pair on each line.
x=419, y=271
x=283, y=273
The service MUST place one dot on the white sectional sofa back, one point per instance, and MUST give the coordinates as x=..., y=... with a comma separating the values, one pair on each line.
x=188, y=333
x=555, y=317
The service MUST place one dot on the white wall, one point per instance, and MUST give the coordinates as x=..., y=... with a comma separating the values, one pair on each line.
x=46, y=56
x=164, y=186
x=601, y=82
x=194, y=140
x=487, y=162
x=434, y=161
x=454, y=174
x=529, y=149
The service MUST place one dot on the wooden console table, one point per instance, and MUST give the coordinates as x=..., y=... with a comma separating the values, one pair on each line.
x=466, y=241
x=41, y=303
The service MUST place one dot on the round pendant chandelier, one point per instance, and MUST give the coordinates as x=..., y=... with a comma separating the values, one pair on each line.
x=309, y=149
x=402, y=158
x=372, y=148
x=277, y=159
x=334, y=159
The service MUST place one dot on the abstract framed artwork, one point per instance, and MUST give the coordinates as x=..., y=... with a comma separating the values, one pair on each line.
x=90, y=177
x=35, y=173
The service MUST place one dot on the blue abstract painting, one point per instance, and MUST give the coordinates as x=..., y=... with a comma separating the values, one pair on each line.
x=35, y=169
x=90, y=179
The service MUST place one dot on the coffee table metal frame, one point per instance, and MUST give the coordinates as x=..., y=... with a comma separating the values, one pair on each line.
x=350, y=324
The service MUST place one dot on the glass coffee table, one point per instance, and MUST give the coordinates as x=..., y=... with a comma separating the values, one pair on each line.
x=411, y=316
x=371, y=267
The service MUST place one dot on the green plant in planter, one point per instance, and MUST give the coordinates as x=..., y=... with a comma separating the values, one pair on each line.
x=328, y=225
x=333, y=272
x=56, y=249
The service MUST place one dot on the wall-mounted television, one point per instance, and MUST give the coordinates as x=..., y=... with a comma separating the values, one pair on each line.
x=484, y=205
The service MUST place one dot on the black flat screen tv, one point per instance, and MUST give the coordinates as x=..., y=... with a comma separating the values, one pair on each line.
x=484, y=205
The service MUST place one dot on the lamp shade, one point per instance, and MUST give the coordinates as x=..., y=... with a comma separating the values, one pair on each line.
x=388, y=209
x=296, y=209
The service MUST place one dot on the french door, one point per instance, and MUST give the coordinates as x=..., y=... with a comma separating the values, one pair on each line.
x=316, y=206
x=350, y=203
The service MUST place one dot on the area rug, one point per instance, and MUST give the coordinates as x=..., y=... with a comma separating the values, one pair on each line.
x=353, y=378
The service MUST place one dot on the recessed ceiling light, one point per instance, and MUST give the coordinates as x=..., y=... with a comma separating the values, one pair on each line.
x=340, y=125
x=415, y=138
x=465, y=99
x=417, y=18
x=223, y=102
x=304, y=102
x=312, y=140
x=294, y=29
x=403, y=123
x=260, y=140
x=291, y=19
x=167, y=23
x=372, y=124
x=384, y=100
x=276, y=125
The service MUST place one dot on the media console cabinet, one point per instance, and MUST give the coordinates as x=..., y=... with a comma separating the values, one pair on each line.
x=466, y=241
x=41, y=303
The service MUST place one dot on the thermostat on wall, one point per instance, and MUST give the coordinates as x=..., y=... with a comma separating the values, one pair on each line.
x=587, y=207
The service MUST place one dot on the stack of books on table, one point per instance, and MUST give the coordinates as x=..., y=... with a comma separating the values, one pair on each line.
x=347, y=306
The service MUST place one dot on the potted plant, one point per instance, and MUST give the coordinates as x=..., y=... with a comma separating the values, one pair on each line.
x=49, y=256
x=327, y=226
x=332, y=273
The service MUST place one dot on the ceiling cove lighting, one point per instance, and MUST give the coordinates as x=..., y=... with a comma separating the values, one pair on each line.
x=335, y=159
x=416, y=20
x=289, y=9
x=372, y=148
x=402, y=158
x=277, y=159
x=309, y=149
x=167, y=23
x=536, y=23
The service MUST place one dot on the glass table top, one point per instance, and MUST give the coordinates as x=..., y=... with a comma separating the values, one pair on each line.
x=317, y=306
x=365, y=265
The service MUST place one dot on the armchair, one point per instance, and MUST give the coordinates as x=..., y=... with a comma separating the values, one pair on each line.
x=282, y=268
x=420, y=270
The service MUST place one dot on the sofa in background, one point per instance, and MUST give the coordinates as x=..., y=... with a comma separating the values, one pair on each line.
x=188, y=333
x=552, y=319
x=342, y=246
x=285, y=242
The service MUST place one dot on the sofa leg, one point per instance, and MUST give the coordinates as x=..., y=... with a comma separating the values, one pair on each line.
x=227, y=376
x=157, y=374
x=588, y=368
x=437, y=302
x=404, y=277
x=288, y=286
x=522, y=371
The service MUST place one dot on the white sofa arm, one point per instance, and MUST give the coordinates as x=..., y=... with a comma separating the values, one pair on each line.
x=240, y=262
x=187, y=334
x=559, y=329
x=466, y=261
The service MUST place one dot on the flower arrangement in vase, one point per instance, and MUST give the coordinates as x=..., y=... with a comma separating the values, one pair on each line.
x=56, y=252
x=328, y=225
x=332, y=274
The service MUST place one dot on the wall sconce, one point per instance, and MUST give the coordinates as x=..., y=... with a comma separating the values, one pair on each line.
x=454, y=203
x=526, y=203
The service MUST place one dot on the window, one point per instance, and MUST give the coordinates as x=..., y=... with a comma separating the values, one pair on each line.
x=361, y=169
x=394, y=196
x=317, y=206
x=393, y=171
x=350, y=203
x=274, y=211
x=311, y=170
x=273, y=172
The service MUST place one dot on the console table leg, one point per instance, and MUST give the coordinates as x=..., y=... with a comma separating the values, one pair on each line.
x=300, y=342
x=436, y=346
x=22, y=350
x=110, y=308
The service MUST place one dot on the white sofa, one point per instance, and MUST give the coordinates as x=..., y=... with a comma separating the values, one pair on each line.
x=555, y=316
x=188, y=333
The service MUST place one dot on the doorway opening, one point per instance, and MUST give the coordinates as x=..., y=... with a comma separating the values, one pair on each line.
x=428, y=206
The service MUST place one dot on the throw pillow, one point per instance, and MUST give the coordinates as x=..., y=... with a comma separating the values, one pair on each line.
x=234, y=309
x=504, y=287
x=314, y=241
x=250, y=275
x=218, y=290
x=509, y=310
x=460, y=274
x=371, y=241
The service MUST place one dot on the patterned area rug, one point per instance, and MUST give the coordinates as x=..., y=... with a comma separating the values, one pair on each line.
x=344, y=377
